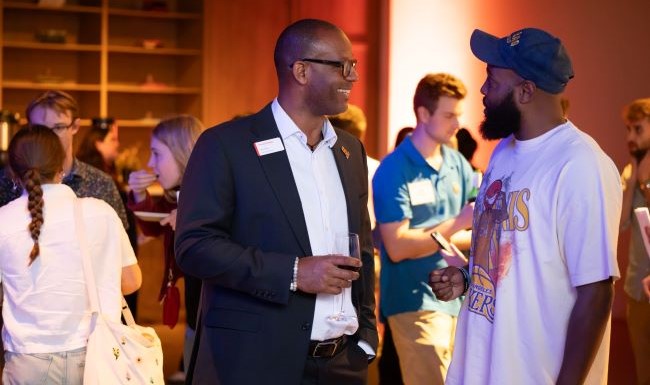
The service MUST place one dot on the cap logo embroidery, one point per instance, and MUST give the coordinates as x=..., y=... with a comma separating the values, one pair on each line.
x=513, y=39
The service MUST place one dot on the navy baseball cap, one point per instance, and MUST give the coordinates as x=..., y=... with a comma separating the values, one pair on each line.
x=533, y=54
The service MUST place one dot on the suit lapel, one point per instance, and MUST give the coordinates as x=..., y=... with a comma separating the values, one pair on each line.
x=344, y=165
x=278, y=173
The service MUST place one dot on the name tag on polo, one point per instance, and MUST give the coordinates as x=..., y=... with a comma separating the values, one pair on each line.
x=268, y=146
x=421, y=192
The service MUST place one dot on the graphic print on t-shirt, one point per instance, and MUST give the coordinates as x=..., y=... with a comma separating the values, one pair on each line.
x=499, y=212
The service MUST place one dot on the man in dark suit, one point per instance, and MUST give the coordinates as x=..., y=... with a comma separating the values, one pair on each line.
x=262, y=199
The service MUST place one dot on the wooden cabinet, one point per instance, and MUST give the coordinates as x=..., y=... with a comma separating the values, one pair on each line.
x=114, y=57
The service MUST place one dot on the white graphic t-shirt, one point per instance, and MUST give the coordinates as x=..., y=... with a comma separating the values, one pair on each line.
x=545, y=221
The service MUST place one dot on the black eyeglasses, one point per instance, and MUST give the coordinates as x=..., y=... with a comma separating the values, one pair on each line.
x=62, y=126
x=346, y=66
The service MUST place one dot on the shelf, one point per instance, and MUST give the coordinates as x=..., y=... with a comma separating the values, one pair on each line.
x=66, y=86
x=144, y=122
x=154, y=14
x=65, y=8
x=52, y=46
x=154, y=51
x=104, y=63
x=138, y=89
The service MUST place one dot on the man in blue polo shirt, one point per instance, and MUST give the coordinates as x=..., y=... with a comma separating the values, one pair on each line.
x=421, y=187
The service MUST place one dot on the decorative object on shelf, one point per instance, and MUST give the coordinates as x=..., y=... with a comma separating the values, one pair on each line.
x=47, y=77
x=52, y=36
x=151, y=83
x=101, y=51
x=51, y=3
x=151, y=43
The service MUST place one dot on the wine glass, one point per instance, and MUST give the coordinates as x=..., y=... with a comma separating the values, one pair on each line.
x=346, y=244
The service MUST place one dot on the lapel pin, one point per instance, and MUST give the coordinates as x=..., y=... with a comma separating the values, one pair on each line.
x=345, y=152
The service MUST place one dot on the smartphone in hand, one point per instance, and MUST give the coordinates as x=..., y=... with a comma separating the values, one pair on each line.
x=442, y=242
x=453, y=256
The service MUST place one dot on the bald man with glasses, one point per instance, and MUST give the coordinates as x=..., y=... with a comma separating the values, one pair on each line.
x=269, y=192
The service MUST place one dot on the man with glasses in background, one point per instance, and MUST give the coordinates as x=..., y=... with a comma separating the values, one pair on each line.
x=263, y=197
x=60, y=112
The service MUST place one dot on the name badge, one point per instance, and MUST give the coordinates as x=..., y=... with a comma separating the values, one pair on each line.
x=421, y=192
x=268, y=146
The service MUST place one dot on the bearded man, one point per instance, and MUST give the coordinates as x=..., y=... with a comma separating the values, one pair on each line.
x=539, y=311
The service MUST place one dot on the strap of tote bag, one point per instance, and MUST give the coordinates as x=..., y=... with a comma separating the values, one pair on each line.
x=91, y=286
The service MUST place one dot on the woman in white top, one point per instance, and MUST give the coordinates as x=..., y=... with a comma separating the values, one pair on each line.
x=45, y=311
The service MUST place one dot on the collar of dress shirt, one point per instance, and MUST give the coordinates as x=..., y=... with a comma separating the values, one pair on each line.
x=288, y=128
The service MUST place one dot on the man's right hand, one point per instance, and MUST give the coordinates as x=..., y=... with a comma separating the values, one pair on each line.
x=447, y=283
x=322, y=274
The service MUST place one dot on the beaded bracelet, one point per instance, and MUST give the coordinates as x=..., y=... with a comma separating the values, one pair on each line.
x=466, y=279
x=294, y=280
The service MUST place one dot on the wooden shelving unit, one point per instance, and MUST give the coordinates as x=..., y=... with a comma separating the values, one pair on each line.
x=103, y=62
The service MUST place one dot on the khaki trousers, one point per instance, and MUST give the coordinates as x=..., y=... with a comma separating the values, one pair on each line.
x=638, y=324
x=424, y=341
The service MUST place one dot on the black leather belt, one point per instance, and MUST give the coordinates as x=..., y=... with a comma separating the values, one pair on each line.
x=327, y=348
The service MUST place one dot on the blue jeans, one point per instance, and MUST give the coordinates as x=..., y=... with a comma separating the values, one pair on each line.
x=64, y=368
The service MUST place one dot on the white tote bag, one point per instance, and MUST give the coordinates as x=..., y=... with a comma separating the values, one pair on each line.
x=117, y=353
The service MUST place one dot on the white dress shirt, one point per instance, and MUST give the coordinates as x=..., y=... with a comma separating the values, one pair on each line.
x=325, y=209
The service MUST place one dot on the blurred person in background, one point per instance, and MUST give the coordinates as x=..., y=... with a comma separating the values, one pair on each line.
x=172, y=141
x=100, y=148
x=353, y=121
x=59, y=111
x=636, y=193
x=421, y=187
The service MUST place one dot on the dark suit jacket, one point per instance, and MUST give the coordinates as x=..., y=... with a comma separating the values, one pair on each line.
x=240, y=227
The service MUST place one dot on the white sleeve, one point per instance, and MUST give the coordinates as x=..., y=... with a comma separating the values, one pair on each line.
x=126, y=251
x=589, y=210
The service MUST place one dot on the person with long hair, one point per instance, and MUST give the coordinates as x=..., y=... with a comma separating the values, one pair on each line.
x=172, y=141
x=46, y=314
x=100, y=146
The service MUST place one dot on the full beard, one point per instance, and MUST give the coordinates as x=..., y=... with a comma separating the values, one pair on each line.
x=502, y=120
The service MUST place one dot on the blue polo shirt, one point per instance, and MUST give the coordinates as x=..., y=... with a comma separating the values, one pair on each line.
x=405, y=186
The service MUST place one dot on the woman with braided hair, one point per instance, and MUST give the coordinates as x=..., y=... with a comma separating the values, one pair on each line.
x=45, y=312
